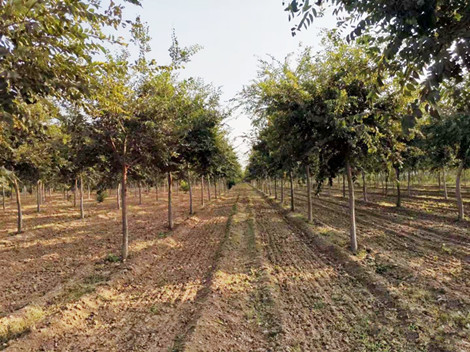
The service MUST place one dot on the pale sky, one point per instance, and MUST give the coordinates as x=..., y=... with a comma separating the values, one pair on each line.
x=234, y=35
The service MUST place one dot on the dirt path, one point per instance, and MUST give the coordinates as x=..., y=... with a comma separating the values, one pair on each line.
x=321, y=306
x=240, y=276
x=151, y=303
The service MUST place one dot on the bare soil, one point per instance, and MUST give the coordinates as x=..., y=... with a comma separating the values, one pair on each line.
x=242, y=274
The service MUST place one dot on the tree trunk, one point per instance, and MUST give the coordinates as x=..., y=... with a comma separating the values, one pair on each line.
x=118, y=196
x=125, y=229
x=397, y=171
x=364, y=186
x=82, y=211
x=409, y=183
x=309, y=193
x=170, y=210
x=38, y=196
x=75, y=193
x=209, y=188
x=190, y=194
x=275, y=188
x=215, y=188
x=292, y=203
x=344, y=187
x=140, y=193
x=282, y=189
x=18, y=204
x=439, y=180
x=3, y=197
x=89, y=192
x=202, y=190
x=156, y=190
x=445, y=183
x=458, y=192
x=352, y=210
x=386, y=184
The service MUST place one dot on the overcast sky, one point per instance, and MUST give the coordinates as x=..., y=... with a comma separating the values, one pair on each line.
x=234, y=35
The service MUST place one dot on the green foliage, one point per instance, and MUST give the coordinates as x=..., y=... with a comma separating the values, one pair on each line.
x=184, y=186
x=101, y=195
x=112, y=258
x=407, y=36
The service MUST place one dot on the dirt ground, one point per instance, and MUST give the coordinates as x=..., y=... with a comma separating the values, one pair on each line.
x=242, y=274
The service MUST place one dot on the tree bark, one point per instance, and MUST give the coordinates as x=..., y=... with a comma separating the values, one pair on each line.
x=386, y=183
x=156, y=190
x=458, y=191
x=409, y=183
x=82, y=210
x=170, y=210
x=140, y=193
x=309, y=194
x=439, y=180
x=446, y=197
x=89, y=191
x=397, y=171
x=215, y=188
x=38, y=196
x=344, y=187
x=202, y=190
x=292, y=203
x=75, y=193
x=190, y=194
x=275, y=188
x=118, y=196
x=3, y=197
x=364, y=186
x=209, y=188
x=352, y=209
x=282, y=189
x=125, y=228
x=18, y=205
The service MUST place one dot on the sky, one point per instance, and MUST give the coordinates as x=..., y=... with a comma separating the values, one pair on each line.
x=234, y=35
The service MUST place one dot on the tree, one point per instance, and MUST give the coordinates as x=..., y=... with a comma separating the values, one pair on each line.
x=425, y=35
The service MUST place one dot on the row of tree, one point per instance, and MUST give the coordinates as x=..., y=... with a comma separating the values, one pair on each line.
x=338, y=112
x=70, y=118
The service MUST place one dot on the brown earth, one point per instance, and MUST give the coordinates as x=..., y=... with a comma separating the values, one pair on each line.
x=241, y=275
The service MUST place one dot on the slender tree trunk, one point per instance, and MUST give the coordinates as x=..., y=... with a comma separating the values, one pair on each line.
x=364, y=186
x=38, y=196
x=215, y=188
x=156, y=190
x=82, y=210
x=18, y=204
x=3, y=197
x=209, y=188
x=282, y=189
x=439, y=180
x=309, y=194
x=202, y=190
x=89, y=192
x=409, y=183
x=292, y=203
x=118, y=196
x=344, y=186
x=75, y=193
x=140, y=193
x=386, y=184
x=352, y=209
x=170, y=210
x=190, y=194
x=458, y=191
x=446, y=197
x=397, y=171
x=275, y=188
x=125, y=228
